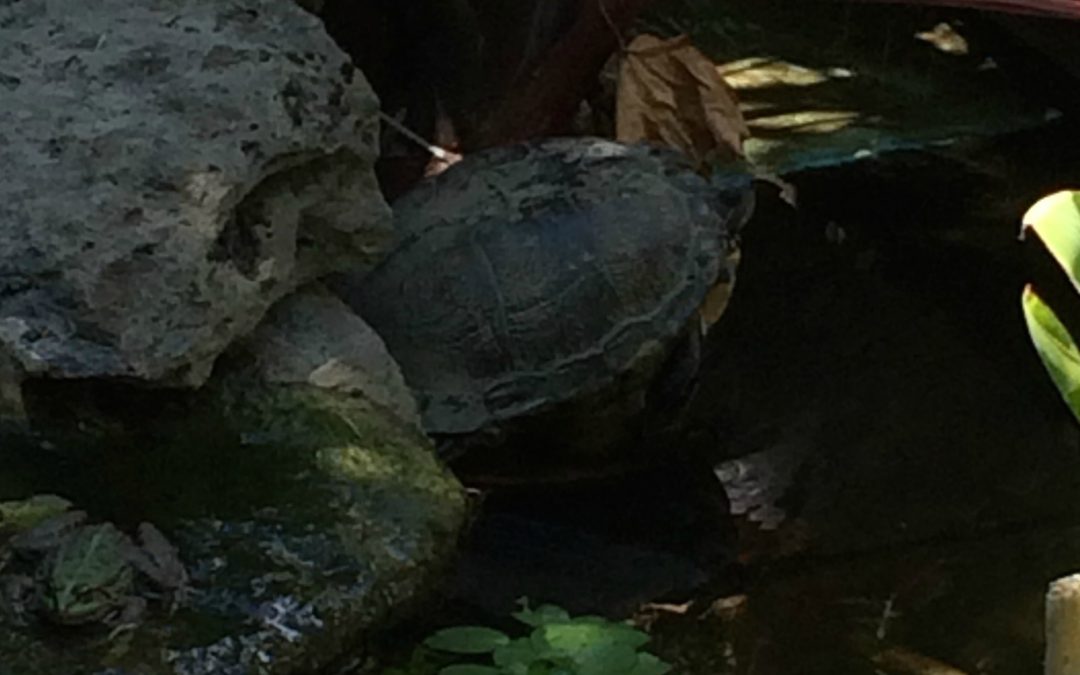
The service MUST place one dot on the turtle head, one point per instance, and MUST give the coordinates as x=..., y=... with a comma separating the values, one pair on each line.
x=732, y=196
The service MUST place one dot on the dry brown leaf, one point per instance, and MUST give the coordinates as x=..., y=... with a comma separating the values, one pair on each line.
x=669, y=92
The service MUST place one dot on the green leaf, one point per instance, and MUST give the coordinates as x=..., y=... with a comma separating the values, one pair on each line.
x=1055, y=347
x=572, y=638
x=543, y=614
x=517, y=651
x=625, y=635
x=606, y=659
x=649, y=665
x=1056, y=219
x=594, y=619
x=467, y=640
x=469, y=669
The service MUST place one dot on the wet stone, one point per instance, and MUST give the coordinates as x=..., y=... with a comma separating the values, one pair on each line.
x=266, y=527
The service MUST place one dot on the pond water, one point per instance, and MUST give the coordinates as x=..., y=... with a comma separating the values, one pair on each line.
x=902, y=476
x=930, y=470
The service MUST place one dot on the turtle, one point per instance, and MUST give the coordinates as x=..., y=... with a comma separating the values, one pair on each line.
x=545, y=299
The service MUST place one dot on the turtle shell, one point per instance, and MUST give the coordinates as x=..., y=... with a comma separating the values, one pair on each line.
x=542, y=273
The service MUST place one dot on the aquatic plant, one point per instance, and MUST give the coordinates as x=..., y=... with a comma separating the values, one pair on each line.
x=1056, y=221
x=556, y=644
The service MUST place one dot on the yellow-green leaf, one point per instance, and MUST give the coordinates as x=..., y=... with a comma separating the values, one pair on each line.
x=1055, y=347
x=1056, y=219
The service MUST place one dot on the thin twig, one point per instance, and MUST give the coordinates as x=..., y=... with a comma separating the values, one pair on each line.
x=611, y=24
x=435, y=150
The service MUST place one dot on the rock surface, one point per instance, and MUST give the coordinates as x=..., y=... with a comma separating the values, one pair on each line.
x=305, y=515
x=171, y=170
x=312, y=337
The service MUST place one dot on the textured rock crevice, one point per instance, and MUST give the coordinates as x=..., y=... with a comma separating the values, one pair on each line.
x=173, y=169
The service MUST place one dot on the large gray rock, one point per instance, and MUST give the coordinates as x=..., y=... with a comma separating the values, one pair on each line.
x=171, y=168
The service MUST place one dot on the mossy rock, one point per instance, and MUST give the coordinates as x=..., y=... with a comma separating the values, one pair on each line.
x=305, y=516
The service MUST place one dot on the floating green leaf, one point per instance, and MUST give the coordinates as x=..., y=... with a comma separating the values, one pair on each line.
x=592, y=618
x=557, y=645
x=467, y=640
x=469, y=669
x=1055, y=347
x=606, y=659
x=649, y=665
x=541, y=615
x=571, y=638
x=518, y=651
